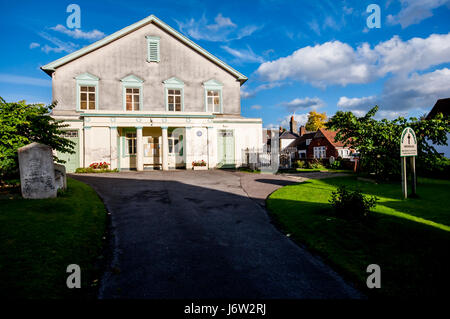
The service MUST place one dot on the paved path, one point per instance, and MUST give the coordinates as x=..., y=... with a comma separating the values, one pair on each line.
x=185, y=234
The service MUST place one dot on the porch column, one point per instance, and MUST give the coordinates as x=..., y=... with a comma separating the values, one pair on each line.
x=87, y=146
x=188, y=147
x=211, y=147
x=113, y=146
x=165, y=149
x=139, y=149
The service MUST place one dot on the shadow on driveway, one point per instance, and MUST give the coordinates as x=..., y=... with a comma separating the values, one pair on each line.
x=185, y=235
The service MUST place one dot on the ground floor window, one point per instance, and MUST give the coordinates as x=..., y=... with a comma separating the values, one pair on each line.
x=319, y=152
x=131, y=143
x=175, y=144
x=151, y=148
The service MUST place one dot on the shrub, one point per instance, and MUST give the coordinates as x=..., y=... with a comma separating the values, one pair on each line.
x=316, y=164
x=351, y=204
x=336, y=164
x=300, y=164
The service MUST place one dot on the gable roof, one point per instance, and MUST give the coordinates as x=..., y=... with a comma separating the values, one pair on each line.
x=288, y=135
x=329, y=135
x=300, y=142
x=52, y=66
x=441, y=106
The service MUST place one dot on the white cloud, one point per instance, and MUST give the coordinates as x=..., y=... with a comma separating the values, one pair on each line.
x=336, y=62
x=34, y=45
x=242, y=56
x=245, y=94
x=356, y=103
x=404, y=93
x=256, y=107
x=329, y=63
x=61, y=46
x=78, y=33
x=414, y=11
x=222, y=30
x=24, y=80
x=298, y=104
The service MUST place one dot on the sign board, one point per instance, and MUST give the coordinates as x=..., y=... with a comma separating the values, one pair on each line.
x=408, y=143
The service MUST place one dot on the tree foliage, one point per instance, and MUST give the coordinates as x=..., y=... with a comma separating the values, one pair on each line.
x=315, y=121
x=21, y=124
x=378, y=141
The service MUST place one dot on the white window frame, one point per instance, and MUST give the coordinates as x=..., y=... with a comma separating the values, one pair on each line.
x=153, y=40
x=173, y=84
x=321, y=152
x=213, y=85
x=132, y=82
x=133, y=141
x=86, y=79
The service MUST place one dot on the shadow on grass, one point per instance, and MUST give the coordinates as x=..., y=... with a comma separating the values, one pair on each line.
x=414, y=258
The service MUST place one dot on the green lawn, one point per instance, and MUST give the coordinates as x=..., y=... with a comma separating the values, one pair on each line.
x=40, y=238
x=409, y=239
x=331, y=170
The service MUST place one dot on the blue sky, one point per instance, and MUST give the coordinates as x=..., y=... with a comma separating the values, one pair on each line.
x=298, y=55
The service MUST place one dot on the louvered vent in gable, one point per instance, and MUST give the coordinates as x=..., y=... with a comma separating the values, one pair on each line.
x=152, y=48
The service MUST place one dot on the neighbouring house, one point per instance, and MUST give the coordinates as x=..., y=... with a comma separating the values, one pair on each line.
x=323, y=146
x=319, y=144
x=288, y=136
x=441, y=106
x=147, y=97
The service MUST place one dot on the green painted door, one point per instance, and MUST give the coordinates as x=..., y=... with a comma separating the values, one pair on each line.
x=225, y=149
x=72, y=160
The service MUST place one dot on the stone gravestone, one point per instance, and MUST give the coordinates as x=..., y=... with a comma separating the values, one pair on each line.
x=60, y=176
x=37, y=171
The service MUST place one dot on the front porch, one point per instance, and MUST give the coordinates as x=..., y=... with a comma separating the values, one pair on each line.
x=151, y=147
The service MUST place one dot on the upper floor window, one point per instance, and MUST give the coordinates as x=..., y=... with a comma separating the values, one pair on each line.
x=87, y=97
x=87, y=92
x=174, y=100
x=132, y=93
x=174, y=89
x=213, y=96
x=213, y=101
x=152, y=48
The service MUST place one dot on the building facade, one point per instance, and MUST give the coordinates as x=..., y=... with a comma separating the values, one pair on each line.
x=147, y=97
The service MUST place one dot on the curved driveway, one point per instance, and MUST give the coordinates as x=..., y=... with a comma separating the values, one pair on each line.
x=186, y=234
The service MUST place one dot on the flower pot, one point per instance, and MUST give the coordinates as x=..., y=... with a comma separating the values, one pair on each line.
x=199, y=168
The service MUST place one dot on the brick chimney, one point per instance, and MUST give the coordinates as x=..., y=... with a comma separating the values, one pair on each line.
x=293, y=125
x=302, y=130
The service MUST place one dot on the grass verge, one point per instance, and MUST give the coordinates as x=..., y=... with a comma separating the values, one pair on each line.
x=40, y=238
x=408, y=239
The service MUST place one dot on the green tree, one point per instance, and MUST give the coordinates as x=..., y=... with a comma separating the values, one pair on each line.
x=378, y=141
x=315, y=121
x=21, y=124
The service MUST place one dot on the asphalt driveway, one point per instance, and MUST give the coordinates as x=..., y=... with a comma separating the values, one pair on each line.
x=185, y=234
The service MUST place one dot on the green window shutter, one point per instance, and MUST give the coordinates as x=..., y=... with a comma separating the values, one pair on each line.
x=153, y=49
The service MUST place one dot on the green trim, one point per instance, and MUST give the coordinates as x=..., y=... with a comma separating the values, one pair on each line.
x=87, y=127
x=126, y=130
x=164, y=127
x=50, y=67
x=147, y=115
x=139, y=127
